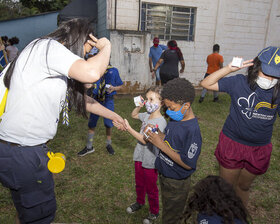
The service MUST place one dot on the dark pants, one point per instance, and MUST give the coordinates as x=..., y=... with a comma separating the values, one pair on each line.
x=24, y=171
x=166, y=77
x=174, y=195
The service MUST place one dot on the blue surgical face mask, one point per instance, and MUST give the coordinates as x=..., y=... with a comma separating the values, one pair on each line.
x=176, y=115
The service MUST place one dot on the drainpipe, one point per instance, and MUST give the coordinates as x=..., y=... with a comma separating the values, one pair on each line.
x=139, y=15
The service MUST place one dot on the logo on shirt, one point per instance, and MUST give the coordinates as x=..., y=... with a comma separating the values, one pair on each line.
x=192, y=150
x=203, y=221
x=248, y=109
x=166, y=160
x=247, y=104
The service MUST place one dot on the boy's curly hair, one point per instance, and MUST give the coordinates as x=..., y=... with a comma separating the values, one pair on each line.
x=178, y=90
x=213, y=195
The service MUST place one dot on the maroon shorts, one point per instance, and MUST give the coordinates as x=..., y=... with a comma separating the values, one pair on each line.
x=234, y=155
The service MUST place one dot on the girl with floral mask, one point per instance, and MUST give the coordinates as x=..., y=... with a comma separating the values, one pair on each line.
x=244, y=147
x=145, y=154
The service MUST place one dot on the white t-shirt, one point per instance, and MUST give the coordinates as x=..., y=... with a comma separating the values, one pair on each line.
x=37, y=94
x=12, y=52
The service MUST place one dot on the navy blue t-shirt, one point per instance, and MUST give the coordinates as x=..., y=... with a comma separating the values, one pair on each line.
x=213, y=219
x=184, y=138
x=112, y=77
x=251, y=118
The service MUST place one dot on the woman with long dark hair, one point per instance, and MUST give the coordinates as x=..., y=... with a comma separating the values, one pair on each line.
x=170, y=59
x=244, y=147
x=37, y=81
x=214, y=201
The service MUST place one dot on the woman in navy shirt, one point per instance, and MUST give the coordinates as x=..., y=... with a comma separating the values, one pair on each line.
x=244, y=147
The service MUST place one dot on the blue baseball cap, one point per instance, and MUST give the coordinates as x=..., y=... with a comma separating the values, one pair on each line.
x=270, y=59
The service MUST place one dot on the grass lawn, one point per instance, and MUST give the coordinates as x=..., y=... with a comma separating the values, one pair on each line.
x=98, y=188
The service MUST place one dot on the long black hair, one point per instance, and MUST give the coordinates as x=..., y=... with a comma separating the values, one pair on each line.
x=73, y=34
x=213, y=195
x=253, y=73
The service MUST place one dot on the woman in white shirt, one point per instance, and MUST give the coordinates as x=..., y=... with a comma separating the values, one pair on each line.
x=37, y=81
x=12, y=50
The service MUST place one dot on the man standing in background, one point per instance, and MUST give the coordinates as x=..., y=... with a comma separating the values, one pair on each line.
x=154, y=55
x=215, y=62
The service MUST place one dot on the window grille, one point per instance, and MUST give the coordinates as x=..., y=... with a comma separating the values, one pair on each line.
x=168, y=22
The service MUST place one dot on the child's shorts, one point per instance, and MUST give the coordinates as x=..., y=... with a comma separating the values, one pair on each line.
x=93, y=118
x=234, y=155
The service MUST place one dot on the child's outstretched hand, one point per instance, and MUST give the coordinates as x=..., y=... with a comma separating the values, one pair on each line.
x=127, y=124
x=245, y=64
x=119, y=125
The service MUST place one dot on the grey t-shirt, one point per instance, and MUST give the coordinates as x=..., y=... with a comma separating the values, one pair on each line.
x=170, y=63
x=147, y=153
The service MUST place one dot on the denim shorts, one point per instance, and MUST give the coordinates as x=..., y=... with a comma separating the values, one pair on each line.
x=93, y=118
x=24, y=171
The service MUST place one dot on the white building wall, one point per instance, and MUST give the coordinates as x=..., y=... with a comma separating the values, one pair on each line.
x=273, y=31
x=240, y=27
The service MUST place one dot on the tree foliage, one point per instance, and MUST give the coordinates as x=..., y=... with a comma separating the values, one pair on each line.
x=10, y=9
x=45, y=5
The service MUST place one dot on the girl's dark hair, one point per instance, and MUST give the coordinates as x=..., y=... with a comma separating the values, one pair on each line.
x=173, y=44
x=253, y=72
x=213, y=195
x=73, y=34
x=4, y=38
x=14, y=40
x=155, y=89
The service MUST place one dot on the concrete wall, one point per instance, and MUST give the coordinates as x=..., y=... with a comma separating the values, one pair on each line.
x=129, y=55
x=240, y=27
x=29, y=28
x=273, y=30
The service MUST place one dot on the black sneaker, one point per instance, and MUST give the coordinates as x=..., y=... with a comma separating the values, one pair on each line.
x=85, y=151
x=110, y=149
x=151, y=217
x=134, y=207
x=201, y=99
x=216, y=99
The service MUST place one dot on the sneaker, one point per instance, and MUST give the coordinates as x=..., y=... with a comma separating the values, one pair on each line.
x=201, y=99
x=151, y=217
x=110, y=149
x=216, y=99
x=85, y=151
x=134, y=207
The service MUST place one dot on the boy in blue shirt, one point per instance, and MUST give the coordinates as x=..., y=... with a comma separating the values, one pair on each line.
x=179, y=146
x=103, y=91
